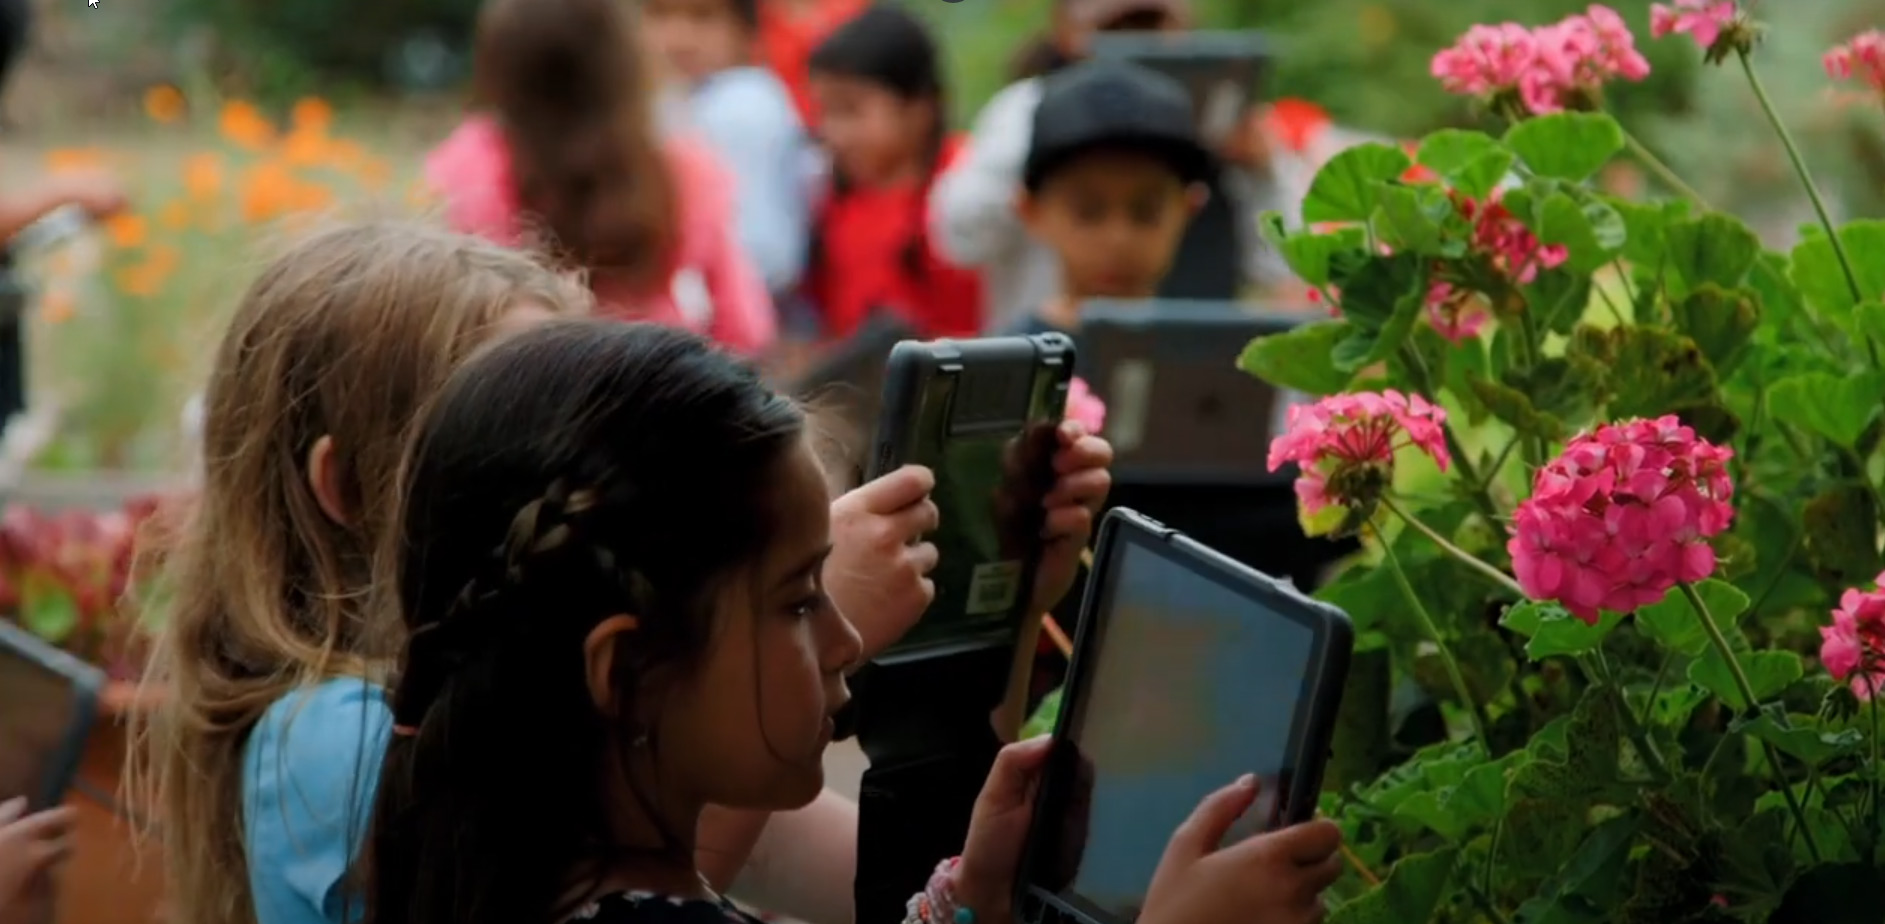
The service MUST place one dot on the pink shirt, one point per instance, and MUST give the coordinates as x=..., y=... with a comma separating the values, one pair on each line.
x=714, y=289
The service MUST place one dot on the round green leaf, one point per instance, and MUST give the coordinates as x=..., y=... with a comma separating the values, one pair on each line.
x=1673, y=623
x=1344, y=189
x=1838, y=408
x=1566, y=145
x=1473, y=163
x=1301, y=358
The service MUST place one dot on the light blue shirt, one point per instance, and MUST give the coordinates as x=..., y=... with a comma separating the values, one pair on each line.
x=309, y=774
x=746, y=116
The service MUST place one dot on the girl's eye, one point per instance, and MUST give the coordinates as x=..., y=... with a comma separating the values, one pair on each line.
x=804, y=609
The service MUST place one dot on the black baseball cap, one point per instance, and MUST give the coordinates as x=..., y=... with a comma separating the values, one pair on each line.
x=1115, y=104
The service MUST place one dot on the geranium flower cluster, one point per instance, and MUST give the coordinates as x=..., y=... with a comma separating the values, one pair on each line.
x=1085, y=407
x=1621, y=516
x=1345, y=445
x=1546, y=69
x=1853, y=647
x=1702, y=20
x=1458, y=313
x=1862, y=58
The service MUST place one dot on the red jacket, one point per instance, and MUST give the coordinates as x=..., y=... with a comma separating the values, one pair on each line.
x=873, y=252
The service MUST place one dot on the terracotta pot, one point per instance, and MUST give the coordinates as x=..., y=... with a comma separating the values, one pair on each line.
x=112, y=878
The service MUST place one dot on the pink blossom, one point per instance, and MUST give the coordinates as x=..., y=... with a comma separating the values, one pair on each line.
x=1862, y=57
x=1853, y=647
x=1456, y=314
x=1621, y=516
x=1701, y=20
x=1512, y=248
x=1346, y=443
x=1084, y=406
x=1544, y=68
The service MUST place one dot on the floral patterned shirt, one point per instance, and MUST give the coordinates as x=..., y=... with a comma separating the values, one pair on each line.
x=640, y=907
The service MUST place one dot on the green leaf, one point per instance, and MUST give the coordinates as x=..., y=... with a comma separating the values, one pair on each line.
x=1822, y=281
x=1591, y=233
x=1720, y=321
x=1301, y=358
x=1411, y=892
x=1675, y=625
x=1373, y=289
x=1868, y=319
x=1714, y=248
x=1473, y=163
x=1768, y=672
x=1801, y=738
x=1588, y=887
x=1344, y=189
x=1566, y=145
x=1838, y=408
x=1552, y=629
x=1045, y=715
x=1654, y=371
x=1779, y=297
x=1557, y=298
x=1512, y=406
x=1841, y=534
x=1643, y=223
x=1411, y=218
x=51, y=612
x=1308, y=253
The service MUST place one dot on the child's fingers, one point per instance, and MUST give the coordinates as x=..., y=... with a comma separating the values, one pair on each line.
x=924, y=555
x=1065, y=522
x=1319, y=876
x=1079, y=488
x=896, y=490
x=1311, y=842
x=917, y=519
x=11, y=809
x=49, y=824
x=1083, y=452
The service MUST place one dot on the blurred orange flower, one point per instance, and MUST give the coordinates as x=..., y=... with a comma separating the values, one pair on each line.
x=127, y=229
x=164, y=103
x=312, y=114
x=175, y=215
x=305, y=147
x=245, y=126
x=74, y=159
x=202, y=175
x=266, y=188
x=145, y=279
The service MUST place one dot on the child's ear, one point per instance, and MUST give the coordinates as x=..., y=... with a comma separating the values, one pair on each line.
x=324, y=481
x=599, y=659
x=1027, y=208
x=1196, y=196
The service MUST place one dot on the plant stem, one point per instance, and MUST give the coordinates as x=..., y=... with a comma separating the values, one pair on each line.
x=1534, y=344
x=1655, y=689
x=1423, y=382
x=1461, y=555
x=1746, y=689
x=1669, y=177
x=1361, y=869
x=1645, y=748
x=1447, y=661
x=1812, y=188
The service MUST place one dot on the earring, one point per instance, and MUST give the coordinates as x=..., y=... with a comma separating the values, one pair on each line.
x=639, y=741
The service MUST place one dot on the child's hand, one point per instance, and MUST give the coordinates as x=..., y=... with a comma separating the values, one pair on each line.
x=31, y=847
x=98, y=193
x=1274, y=878
x=878, y=572
x=998, y=831
x=1081, y=482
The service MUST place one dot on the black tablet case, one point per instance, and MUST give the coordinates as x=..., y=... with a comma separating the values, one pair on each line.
x=26, y=735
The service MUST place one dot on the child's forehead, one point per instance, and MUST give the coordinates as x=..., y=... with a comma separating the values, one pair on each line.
x=1123, y=170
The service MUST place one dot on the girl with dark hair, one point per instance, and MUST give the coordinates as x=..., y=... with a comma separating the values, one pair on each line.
x=609, y=565
x=878, y=84
x=569, y=149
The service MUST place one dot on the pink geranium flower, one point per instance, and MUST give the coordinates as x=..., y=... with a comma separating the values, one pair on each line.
x=1621, y=516
x=1084, y=406
x=1456, y=314
x=1862, y=58
x=1853, y=647
x=1345, y=444
x=1459, y=313
x=1701, y=20
x=1546, y=68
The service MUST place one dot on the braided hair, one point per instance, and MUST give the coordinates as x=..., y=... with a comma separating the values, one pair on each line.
x=576, y=473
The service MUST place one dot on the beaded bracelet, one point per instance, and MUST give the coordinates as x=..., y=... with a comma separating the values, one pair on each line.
x=936, y=904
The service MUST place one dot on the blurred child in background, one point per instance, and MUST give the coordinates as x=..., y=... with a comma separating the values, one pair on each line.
x=882, y=118
x=788, y=32
x=973, y=205
x=745, y=114
x=569, y=148
x=1114, y=173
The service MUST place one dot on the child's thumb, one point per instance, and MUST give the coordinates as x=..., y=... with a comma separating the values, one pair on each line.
x=12, y=809
x=1211, y=820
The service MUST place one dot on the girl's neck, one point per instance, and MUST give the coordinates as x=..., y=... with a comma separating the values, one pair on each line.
x=674, y=877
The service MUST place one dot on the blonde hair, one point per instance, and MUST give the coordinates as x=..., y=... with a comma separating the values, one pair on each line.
x=346, y=335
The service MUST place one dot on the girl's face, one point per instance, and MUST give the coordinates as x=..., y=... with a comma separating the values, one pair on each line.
x=875, y=136
x=749, y=727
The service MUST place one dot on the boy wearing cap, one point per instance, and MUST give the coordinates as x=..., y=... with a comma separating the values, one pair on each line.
x=1114, y=172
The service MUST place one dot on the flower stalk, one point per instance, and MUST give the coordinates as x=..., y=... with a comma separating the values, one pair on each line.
x=1740, y=675
x=1455, y=676
x=1461, y=555
x=1662, y=171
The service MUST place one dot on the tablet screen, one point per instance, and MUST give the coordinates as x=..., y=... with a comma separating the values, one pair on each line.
x=37, y=710
x=1196, y=684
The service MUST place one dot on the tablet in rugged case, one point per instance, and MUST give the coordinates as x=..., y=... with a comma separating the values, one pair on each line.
x=1189, y=671
x=1178, y=410
x=48, y=702
x=1221, y=69
x=981, y=414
